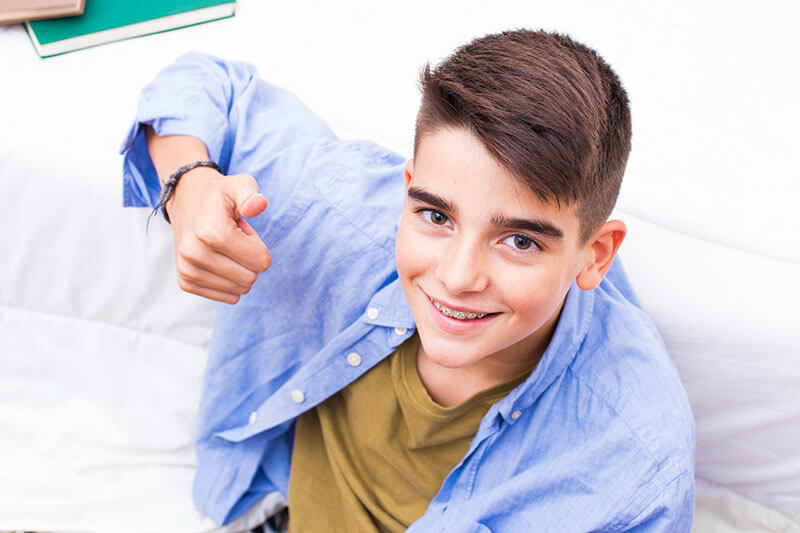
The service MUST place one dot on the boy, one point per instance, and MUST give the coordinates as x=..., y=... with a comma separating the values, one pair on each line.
x=483, y=364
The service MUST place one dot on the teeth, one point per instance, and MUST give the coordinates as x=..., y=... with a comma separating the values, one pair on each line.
x=453, y=313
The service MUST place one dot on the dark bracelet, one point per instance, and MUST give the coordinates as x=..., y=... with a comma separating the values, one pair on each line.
x=168, y=189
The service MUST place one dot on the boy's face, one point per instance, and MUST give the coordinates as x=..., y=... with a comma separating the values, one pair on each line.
x=485, y=265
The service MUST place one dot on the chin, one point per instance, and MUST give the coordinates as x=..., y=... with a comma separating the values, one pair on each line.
x=449, y=354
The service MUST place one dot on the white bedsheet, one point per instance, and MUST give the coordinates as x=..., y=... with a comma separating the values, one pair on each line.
x=101, y=356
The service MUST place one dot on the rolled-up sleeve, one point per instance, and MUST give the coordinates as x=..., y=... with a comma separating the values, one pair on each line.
x=243, y=120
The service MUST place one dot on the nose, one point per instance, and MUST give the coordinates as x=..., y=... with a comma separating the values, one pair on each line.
x=462, y=267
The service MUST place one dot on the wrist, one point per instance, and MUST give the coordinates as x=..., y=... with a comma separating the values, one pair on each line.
x=169, y=187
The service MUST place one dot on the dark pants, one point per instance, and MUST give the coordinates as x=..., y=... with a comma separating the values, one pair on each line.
x=277, y=523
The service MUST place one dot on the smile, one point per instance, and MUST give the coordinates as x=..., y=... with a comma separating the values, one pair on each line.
x=455, y=313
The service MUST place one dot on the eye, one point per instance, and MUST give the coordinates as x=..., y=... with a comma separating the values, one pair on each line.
x=520, y=242
x=435, y=217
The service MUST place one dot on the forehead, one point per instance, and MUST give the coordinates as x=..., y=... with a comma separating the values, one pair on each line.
x=454, y=164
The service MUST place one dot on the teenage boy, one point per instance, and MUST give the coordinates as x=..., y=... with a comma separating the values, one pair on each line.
x=480, y=365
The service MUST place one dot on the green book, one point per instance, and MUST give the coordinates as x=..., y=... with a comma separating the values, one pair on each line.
x=104, y=21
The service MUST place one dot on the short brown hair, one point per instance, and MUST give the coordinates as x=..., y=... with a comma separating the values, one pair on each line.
x=549, y=109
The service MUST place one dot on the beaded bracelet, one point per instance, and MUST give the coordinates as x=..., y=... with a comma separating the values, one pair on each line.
x=168, y=189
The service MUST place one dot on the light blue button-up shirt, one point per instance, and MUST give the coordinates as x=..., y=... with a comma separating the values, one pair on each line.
x=600, y=437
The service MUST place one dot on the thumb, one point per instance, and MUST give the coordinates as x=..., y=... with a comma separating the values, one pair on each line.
x=244, y=191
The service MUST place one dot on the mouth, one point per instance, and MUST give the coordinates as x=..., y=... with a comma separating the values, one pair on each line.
x=458, y=314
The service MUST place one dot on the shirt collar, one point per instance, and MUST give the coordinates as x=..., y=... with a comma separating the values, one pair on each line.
x=570, y=332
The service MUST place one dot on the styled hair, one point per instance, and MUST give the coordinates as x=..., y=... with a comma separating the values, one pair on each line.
x=549, y=110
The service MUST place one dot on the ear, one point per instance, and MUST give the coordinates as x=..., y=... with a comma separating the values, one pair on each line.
x=409, y=172
x=600, y=252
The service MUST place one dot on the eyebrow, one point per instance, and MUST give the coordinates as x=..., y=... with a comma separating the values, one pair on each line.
x=429, y=198
x=541, y=227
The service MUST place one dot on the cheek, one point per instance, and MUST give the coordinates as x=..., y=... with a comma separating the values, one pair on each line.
x=404, y=251
x=532, y=290
x=525, y=298
x=414, y=254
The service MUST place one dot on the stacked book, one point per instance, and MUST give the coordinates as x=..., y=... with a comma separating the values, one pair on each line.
x=58, y=26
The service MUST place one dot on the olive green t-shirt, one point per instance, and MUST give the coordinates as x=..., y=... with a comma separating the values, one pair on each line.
x=373, y=456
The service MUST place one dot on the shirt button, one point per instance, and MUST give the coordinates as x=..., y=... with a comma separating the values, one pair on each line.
x=253, y=417
x=353, y=359
x=298, y=396
x=400, y=331
x=515, y=415
x=372, y=313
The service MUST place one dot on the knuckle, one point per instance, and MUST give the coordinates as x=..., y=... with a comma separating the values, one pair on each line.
x=189, y=252
x=186, y=274
x=210, y=236
x=247, y=179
